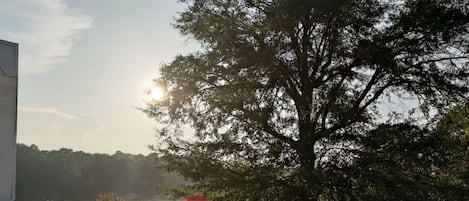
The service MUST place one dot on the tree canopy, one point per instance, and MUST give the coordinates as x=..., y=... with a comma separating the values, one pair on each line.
x=405, y=162
x=282, y=89
x=75, y=176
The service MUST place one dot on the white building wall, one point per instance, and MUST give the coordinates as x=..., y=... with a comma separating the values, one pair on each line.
x=8, y=113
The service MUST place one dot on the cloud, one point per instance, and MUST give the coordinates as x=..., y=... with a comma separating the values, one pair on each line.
x=45, y=31
x=51, y=128
x=48, y=110
x=83, y=124
x=62, y=123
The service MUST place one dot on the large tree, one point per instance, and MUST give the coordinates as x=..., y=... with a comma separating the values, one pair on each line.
x=281, y=86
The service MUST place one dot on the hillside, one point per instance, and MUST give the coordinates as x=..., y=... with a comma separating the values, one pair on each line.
x=75, y=175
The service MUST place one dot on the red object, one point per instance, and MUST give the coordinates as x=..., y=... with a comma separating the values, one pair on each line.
x=195, y=198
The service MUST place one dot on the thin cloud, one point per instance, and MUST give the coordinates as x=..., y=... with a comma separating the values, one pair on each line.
x=47, y=110
x=50, y=128
x=45, y=31
x=68, y=123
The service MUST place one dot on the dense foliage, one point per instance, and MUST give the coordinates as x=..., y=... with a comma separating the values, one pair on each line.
x=285, y=92
x=110, y=197
x=405, y=162
x=77, y=176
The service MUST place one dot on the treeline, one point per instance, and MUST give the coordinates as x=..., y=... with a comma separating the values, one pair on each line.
x=75, y=175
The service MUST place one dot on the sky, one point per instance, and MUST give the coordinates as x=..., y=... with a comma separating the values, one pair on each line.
x=84, y=67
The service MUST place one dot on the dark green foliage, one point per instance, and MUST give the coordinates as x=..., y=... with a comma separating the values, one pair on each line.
x=110, y=197
x=456, y=122
x=77, y=176
x=401, y=162
x=283, y=89
x=404, y=162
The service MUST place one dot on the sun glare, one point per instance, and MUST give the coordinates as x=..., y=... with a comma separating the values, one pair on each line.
x=156, y=93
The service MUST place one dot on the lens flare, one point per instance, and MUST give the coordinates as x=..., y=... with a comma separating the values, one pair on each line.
x=157, y=94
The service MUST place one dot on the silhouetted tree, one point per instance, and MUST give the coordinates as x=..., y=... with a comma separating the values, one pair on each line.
x=280, y=83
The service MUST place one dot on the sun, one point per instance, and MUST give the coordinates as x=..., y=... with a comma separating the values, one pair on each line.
x=156, y=93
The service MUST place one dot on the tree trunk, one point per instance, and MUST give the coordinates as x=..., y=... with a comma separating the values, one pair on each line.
x=310, y=178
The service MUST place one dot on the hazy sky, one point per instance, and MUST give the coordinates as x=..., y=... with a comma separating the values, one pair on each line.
x=85, y=64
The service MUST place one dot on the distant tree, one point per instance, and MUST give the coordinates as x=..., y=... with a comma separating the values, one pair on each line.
x=110, y=197
x=280, y=83
x=31, y=167
x=74, y=176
